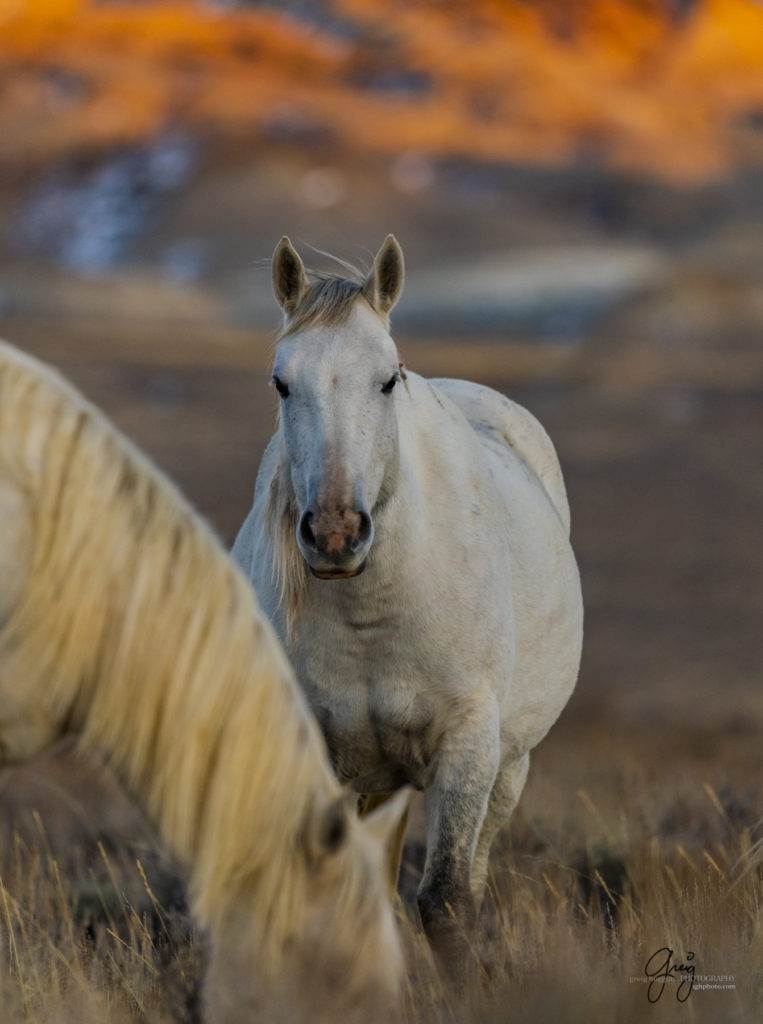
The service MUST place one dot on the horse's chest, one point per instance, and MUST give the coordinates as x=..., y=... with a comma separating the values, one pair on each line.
x=381, y=734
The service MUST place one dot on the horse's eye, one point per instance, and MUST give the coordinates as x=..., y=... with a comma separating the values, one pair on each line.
x=387, y=389
x=281, y=388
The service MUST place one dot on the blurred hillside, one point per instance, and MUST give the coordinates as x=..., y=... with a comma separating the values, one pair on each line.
x=578, y=190
x=670, y=86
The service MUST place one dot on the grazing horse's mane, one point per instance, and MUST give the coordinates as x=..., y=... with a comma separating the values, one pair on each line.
x=134, y=629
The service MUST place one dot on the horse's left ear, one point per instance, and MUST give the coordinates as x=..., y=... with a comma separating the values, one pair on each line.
x=384, y=284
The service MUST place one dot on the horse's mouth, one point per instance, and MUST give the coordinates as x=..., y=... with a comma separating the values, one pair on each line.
x=337, y=574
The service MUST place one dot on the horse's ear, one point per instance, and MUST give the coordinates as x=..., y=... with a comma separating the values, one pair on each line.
x=384, y=284
x=289, y=280
x=329, y=829
x=384, y=821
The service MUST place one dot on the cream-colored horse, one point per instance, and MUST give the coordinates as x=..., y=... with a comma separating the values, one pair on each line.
x=121, y=618
x=410, y=541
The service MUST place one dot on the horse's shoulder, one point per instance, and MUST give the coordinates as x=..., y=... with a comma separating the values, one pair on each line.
x=497, y=417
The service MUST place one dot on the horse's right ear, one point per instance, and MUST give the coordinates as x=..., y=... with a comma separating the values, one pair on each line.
x=289, y=279
x=384, y=284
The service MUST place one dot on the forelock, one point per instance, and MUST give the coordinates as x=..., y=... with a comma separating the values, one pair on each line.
x=327, y=302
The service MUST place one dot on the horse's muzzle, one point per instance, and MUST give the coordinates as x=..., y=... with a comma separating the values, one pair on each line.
x=335, y=542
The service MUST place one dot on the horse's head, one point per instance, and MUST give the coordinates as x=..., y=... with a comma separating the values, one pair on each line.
x=336, y=370
x=339, y=955
x=349, y=899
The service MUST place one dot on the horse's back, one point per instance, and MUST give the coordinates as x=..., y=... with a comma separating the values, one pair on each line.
x=494, y=416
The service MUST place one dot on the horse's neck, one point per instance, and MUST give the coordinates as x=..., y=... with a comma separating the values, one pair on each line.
x=195, y=730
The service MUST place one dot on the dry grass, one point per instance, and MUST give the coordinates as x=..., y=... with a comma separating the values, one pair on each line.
x=579, y=902
x=81, y=943
x=580, y=897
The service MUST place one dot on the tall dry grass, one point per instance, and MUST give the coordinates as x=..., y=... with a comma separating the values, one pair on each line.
x=81, y=942
x=579, y=902
x=581, y=895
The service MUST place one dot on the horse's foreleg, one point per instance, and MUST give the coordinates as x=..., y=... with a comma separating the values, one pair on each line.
x=504, y=797
x=456, y=806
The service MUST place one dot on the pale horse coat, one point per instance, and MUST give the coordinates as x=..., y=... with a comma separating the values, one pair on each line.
x=410, y=541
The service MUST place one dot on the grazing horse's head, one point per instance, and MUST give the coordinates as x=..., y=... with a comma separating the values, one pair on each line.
x=335, y=370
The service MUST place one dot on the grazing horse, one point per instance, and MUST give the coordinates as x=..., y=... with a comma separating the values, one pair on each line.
x=410, y=541
x=122, y=619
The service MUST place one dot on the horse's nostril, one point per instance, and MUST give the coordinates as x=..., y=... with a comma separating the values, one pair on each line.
x=365, y=527
x=306, y=531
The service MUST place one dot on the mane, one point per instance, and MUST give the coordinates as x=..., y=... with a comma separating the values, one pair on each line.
x=136, y=630
x=281, y=518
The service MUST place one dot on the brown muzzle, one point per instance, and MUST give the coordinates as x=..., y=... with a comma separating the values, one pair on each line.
x=335, y=540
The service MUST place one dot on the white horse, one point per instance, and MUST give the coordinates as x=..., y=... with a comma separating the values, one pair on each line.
x=123, y=620
x=410, y=541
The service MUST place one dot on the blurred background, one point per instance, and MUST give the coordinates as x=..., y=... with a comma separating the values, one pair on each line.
x=578, y=189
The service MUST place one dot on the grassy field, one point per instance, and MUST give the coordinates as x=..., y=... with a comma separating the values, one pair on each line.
x=581, y=897
x=640, y=827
